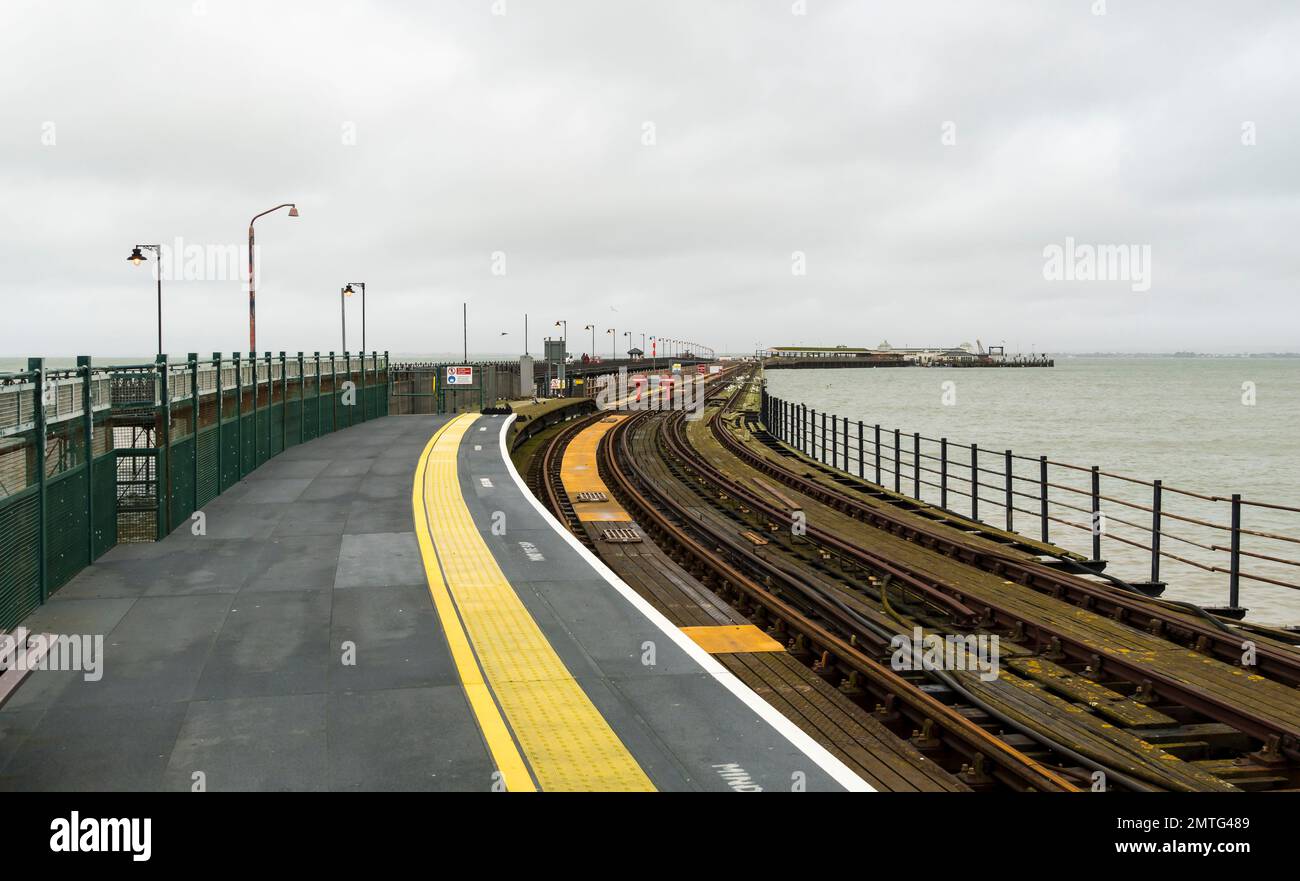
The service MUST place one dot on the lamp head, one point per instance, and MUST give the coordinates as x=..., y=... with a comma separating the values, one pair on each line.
x=136, y=257
x=293, y=210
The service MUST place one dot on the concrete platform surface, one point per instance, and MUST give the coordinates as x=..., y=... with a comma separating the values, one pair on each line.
x=297, y=645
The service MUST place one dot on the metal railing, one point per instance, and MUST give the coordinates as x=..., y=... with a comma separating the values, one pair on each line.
x=93, y=456
x=1058, y=502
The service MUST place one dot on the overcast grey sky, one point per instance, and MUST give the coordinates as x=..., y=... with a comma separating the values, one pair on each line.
x=774, y=133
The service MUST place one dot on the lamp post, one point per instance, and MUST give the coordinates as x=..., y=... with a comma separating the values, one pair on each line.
x=592, y=328
x=343, y=314
x=349, y=292
x=628, y=334
x=613, y=344
x=252, y=296
x=136, y=259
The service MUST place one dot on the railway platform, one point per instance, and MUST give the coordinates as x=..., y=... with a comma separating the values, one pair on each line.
x=388, y=607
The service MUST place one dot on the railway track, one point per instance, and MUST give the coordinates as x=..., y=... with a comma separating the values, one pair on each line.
x=1257, y=746
x=946, y=733
x=1265, y=720
x=1213, y=637
x=829, y=599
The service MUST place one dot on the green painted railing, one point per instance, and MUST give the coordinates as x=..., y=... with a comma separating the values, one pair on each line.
x=92, y=456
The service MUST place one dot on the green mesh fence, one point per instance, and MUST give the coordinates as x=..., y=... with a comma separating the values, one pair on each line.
x=67, y=548
x=104, y=496
x=20, y=584
x=277, y=429
x=249, y=442
x=207, y=480
x=182, y=481
x=229, y=454
x=293, y=422
x=199, y=450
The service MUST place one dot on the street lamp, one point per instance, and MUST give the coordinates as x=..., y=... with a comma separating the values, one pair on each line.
x=252, y=298
x=136, y=259
x=349, y=292
x=592, y=328
x=613, y=344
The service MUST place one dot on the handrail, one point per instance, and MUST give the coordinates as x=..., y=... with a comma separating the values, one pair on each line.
x=913, y=464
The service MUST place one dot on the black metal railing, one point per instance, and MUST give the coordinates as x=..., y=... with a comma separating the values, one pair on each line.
x=1054, y=502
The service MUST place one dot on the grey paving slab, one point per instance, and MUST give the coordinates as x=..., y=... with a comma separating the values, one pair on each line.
x=333, y=488
x=283, y=466
x=156, y=652
x=275, y=489
x=379, y=559
x=349, y=467
x=397, y=640
x=388, y=487
x=271, y=643
x=183, y=565
x=379, y=516
x=425, y=746
x=119, y=747
x=234, y=519
x=252, y=743
x=313, y=518
x=297, y=562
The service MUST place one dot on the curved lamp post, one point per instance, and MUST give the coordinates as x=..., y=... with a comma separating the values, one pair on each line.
x=347, y=292
x=252, y=297
x=136, y=259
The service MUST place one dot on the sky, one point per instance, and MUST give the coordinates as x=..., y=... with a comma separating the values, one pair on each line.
x=737, y=173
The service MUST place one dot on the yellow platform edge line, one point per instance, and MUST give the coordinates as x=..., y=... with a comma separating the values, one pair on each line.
x=565, y=740
x=501, y=746
x=724, y=639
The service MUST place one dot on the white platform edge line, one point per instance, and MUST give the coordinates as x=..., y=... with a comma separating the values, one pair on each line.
x=797, y=737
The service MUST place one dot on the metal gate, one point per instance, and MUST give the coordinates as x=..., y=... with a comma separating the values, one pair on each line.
x=135, y=439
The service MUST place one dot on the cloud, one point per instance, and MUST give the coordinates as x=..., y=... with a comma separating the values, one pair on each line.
x=773, y=133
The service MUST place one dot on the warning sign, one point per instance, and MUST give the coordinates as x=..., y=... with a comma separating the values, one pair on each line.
x=460, y=375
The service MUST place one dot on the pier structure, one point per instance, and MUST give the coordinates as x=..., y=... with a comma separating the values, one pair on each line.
x=815, y=357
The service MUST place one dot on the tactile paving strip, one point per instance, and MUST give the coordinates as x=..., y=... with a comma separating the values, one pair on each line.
x=566, y=741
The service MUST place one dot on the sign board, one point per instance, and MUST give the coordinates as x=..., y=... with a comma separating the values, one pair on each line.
x=677, y=367
x=557, y=384
x=701, y=368
x=460, y=375
x=715, y=368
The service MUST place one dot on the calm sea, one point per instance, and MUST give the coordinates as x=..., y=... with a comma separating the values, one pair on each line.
x=1186, y=421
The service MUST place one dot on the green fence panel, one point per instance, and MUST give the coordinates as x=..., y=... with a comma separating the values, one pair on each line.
x=307, y=412
x=229, y=454
x=277, y=429
x=66, y=552
x=327, y=414
x=208, y=479
x=260, y=437
x=293, y=409
x=104, y=493
x=20, y=588
x=182, y=482
x=249, y=441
